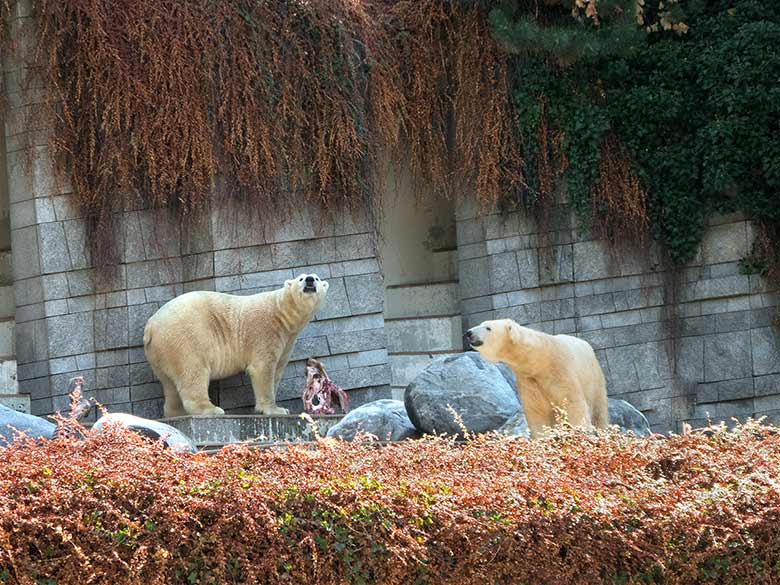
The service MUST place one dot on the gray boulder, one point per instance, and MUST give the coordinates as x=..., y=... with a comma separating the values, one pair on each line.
x=628, y=418
x=34, y=427
x=153, y=429
x=516, y=426
x=482, y=393
x=383, y=418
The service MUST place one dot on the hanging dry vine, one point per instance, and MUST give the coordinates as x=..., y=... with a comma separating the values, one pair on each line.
x=156, y=101
x=551, y=160
x=486, y=139
x=618, y=200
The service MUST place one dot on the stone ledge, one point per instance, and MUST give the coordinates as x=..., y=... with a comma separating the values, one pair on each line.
x=209, y=431
x=17, y=402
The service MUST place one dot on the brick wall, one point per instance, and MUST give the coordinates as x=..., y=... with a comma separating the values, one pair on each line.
x=707, y=346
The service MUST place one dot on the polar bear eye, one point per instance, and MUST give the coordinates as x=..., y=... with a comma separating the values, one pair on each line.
x=488, y=328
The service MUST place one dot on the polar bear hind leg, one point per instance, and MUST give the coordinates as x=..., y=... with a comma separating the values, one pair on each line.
x=600, y=410
x=578, y=414
x=173, y=405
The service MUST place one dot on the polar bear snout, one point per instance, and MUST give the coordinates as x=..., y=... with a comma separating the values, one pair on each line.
x=311, y=283
x=487, y=337
x=476, y=336
x=473, y=337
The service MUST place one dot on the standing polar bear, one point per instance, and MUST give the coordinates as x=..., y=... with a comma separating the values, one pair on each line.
x=202, y=336
x=552, y=371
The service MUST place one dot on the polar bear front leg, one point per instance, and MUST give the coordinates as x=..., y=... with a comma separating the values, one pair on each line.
x=578, y=414
x=282, y=363
x=264, y=387
x=538, y=424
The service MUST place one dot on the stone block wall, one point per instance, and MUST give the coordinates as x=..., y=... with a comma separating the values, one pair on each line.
x=348, y=334
x=72, y=321
x=700, y=344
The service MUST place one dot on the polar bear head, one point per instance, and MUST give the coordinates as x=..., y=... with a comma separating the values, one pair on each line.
x=307, y=290
x=497, y=340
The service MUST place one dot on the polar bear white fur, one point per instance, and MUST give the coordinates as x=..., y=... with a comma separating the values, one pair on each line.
x=202, y=336
x=552, y=371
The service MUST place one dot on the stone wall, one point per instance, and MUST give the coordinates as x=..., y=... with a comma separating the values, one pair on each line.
x=70, y=321
x=707, y=346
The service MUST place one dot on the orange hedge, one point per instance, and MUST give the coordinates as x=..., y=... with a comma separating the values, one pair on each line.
x=572, y=509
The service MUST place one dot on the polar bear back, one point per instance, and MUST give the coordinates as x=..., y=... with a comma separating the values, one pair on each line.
x=220, y=329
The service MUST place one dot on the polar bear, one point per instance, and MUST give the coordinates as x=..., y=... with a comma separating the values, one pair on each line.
x=202, y=336
x=553, y=371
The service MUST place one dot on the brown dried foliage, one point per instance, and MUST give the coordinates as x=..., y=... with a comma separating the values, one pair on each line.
x=459, y=125
x=619, y=204
x=421, y=31
x=551, y=161
x=487, y=145
x=155, y=101
x=766, y=250
x=570, y=509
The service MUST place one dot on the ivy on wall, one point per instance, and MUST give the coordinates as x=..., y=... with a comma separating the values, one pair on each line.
x=656, y=130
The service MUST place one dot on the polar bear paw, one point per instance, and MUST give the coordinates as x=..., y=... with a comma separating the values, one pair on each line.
x=202, y=409
x=271, y=410
x=213, y=411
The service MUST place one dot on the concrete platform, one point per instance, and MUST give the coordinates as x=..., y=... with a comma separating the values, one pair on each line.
x=215, y=431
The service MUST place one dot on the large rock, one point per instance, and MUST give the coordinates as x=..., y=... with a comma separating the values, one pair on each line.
x=516, y=426
x=383, y=418
x=628, y=418
x=153, y=429
x=32, y=426
x=481, y=393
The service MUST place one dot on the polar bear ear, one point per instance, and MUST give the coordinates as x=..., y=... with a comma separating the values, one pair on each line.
x=324, y=284
x=289, y=283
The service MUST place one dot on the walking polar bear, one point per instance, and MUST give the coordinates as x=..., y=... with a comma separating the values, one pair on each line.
x=552, y=371
x=202, y=336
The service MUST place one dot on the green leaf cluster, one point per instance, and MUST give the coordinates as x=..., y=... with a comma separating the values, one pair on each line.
x=699, y=112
